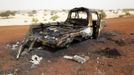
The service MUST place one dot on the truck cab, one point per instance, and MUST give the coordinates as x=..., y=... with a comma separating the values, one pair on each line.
x=85, y=17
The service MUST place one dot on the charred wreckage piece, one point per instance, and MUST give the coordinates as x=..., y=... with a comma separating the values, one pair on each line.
x=81, y=23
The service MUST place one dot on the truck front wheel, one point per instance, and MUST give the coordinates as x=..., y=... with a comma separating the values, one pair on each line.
x=96, y=32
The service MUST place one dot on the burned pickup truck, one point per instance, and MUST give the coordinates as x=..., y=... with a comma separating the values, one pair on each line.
x=81, y=23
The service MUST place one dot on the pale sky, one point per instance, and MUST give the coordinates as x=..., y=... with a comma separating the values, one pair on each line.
x=65, y=4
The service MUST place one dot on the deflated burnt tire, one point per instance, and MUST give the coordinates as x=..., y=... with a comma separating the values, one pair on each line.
x=96, y=33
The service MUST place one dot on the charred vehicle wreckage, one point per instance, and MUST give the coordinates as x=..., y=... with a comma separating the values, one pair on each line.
x=81, y=23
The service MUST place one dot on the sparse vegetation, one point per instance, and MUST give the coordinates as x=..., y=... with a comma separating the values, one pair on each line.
x=45, y=19
x=103, y=14
x=121, y=16
x=54, y=17
x=35, y=20
x=127, y=14
x=32, y=13
x=65, y=10
x=7, y=13
x=53, y=12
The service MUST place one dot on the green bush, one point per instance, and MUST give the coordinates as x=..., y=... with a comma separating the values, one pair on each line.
x=103, y=14
x=121, y=16
x=127, y=13
x=7, y=13
x=54, y=17
x=31, y=13
x=35, y=20
x=34, y=11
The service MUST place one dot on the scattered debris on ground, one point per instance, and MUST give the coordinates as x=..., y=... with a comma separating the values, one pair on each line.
x=35, y=60
x=102, y=40
x=109, y=52
x=98, y=61
x=120, y=42
x=77, y=58
x=99, y=72
x=13, y=45
x=111, y=33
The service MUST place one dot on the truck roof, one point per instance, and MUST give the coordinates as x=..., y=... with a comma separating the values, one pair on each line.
x=83, y=9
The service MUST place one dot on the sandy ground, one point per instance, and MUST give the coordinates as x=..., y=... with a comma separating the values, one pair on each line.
x=25, y=19
x=53, y=63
